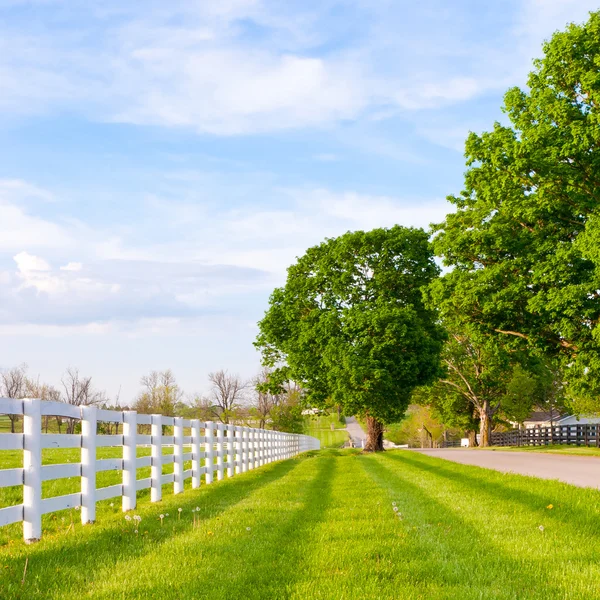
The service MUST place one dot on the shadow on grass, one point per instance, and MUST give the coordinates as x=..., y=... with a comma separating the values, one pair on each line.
x=262, y=565
x=77, y=558
x=498, y=485
x=454, y=548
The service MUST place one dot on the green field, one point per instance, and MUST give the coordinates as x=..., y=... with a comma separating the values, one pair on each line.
x=323, y=526
x=320, y=428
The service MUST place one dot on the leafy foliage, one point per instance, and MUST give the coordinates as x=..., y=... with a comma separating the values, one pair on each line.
x=524, y=240
x=350, y=324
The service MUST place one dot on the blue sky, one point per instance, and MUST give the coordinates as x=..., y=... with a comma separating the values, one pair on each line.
x=163, y=162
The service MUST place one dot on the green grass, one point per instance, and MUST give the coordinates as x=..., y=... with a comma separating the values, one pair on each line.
x=320, y=428
x=321, y=526
x=552, y=449
x=14, y=458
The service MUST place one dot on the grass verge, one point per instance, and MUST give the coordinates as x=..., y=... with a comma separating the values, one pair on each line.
x=550, y=449
x=323, y=526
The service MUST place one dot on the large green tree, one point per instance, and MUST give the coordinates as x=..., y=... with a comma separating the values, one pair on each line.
x=351, y=327
x=524, y=239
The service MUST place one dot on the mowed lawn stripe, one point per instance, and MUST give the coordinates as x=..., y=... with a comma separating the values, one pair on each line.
x=355, y=550
x=501, y=542
x=253, y=550
x=78, y=563
x=322, y=526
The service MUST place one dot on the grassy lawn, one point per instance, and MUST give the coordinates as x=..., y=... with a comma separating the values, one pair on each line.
x=552, y=449
x=323, y=526
x=320, y=427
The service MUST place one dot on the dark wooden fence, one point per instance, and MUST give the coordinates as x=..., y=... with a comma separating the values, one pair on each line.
x=576, y=435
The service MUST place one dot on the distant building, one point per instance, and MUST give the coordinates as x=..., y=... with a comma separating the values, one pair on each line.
x=541, y=418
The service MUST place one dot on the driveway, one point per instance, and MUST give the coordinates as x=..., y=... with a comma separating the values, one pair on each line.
x=583, y=471
x=357, y=435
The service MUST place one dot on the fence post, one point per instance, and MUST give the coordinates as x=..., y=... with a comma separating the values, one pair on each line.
x=178, y=452
x=220, y=449
x=156, y=458
x=129, y=459
x=261, y=446
x=256, y=448
x=270, y=441
x=243, y=439
x=230, y=451
x=209, y=437
x=251, y=450
x=89, y=428
x=196, y=475
x=238, y=449
x=32, y=470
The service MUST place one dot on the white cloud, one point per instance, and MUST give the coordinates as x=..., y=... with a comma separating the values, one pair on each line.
x=72, y=266
x=191, y=65
x=27, y=263
x=19, y=229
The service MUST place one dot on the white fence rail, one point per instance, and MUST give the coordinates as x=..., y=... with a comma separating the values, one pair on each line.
x=236, y=449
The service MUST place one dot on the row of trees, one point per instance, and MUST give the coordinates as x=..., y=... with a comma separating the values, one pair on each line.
x=366, y=320
x=74, y=389
x=229, y=399
x=521, y=299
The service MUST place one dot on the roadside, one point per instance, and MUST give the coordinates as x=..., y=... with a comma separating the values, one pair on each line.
x=576, y=470
x=550, y=449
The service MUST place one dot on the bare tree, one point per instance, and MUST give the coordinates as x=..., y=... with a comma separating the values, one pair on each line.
x=43, y=391
x=78, y=391
x=226, y=393
x=13, y=385
x=160, y=393
x=265, y=400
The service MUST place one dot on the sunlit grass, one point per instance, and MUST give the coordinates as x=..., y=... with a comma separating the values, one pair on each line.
x=552, y=449
x=323, y=526
x=327, y=429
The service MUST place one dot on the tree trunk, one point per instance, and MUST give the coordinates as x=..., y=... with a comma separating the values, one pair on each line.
x=374, y=435
x=485, y=425
x=472, y=438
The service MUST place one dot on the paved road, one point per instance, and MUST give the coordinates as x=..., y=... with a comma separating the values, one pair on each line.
x=357, y=435
x=583, y=471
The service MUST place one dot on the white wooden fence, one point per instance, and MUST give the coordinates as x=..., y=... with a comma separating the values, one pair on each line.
x=214, y=447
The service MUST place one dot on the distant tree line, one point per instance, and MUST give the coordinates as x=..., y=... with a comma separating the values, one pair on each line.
x=230, y=399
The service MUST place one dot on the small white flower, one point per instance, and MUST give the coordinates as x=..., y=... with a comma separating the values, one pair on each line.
x=166, y=514
x=395, y=509
x=127, y=518
x=248, y=528
x=137, y=518
x=135, y=531
x=541, y=528
x=180, y=509
x=77, y=507
x=197, y=509
x=162, y=516
x=393, y=504
x=112, y=504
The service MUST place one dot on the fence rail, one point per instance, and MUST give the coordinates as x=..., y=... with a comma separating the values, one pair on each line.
x=578, y=435
x=211, y=447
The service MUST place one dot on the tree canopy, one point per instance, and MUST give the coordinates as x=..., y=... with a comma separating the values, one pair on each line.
x=523, y=242
x=350, y=324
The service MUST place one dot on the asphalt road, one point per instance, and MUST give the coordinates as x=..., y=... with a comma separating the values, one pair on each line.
x=356, y=432
x=583, y=471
